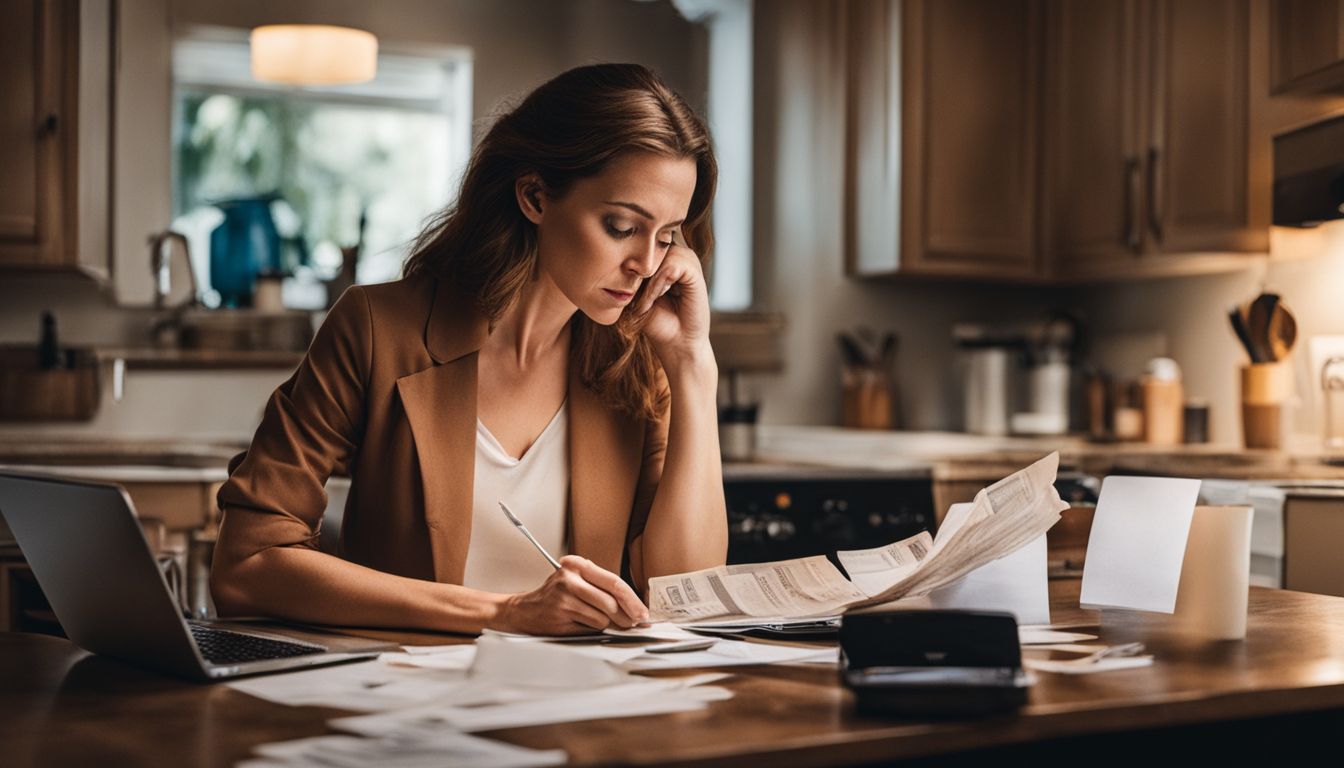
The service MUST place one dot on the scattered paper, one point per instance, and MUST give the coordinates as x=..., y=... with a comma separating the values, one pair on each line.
x=1039, y=635
x=430, y=750
x=733, y=653
x=1017, y=582
x=538, y=665
x=1072, y=667
x=369, y=686
x=457, y=657
x=874, y=571
x=1137, y=544
x=640, y=696
x=1004, y=517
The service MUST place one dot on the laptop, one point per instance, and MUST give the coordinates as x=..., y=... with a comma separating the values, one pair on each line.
x=90, y=557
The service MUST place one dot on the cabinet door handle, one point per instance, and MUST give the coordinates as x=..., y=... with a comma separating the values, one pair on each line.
x=1133, y=233
x=48, y=127
x=1155, y=212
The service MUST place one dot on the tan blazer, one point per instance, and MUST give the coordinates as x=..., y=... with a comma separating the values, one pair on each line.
x=387, y=394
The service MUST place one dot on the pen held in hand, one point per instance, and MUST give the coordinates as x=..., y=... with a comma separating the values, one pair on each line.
x=519, y=525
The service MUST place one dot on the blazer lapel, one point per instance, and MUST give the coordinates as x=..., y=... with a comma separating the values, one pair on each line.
x=605, y=450
x=440, y=404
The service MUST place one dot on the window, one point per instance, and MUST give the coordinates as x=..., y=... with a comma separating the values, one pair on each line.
x=363, y=164
x=730, y=87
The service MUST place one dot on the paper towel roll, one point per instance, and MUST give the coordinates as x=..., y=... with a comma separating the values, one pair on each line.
x=1215, y=576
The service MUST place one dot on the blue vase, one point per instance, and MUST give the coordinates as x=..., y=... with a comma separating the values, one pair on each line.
x=245, y=244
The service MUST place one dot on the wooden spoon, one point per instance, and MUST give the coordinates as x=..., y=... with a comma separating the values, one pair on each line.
x=1257, y=324
x=1282, y=332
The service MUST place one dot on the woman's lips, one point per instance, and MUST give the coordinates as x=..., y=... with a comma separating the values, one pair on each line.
x=620, y=296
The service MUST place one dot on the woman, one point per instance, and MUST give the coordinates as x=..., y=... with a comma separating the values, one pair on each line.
x=547, y=348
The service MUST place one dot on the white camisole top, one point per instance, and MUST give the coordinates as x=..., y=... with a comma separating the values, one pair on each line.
x=536, y=488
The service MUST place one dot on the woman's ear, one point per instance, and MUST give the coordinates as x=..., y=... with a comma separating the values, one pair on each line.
x=530, y=192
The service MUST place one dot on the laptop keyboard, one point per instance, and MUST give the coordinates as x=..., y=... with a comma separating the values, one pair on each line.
x=220, y=646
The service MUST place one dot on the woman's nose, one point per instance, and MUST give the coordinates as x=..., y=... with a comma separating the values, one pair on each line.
x=644, y=262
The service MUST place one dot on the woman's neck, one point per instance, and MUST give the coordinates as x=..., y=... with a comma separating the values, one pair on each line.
x=533, y=326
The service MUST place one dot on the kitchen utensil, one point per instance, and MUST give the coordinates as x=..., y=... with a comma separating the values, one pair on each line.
x=851, y=350
x=1243, y=334
x=1257, y=323
x=1282, y=332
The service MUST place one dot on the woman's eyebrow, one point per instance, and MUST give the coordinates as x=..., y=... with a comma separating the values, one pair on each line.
x=640, y=210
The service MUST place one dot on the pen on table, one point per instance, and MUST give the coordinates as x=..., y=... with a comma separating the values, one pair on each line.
x=519, y=525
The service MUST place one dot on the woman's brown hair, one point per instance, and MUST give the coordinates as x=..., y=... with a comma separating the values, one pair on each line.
x=570, y=128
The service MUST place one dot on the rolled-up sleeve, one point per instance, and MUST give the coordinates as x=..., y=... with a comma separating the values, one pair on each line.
x=311, y=428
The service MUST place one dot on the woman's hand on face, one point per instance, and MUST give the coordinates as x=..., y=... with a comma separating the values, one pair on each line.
x=676, y=302
x=579, y=598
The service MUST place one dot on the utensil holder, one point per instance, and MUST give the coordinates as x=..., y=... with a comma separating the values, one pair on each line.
x=1265, y=389
x=867, y=399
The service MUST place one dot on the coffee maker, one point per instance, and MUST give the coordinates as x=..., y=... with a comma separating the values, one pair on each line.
x=1017, y=378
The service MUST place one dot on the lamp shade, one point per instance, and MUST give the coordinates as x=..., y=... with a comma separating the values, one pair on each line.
x=313, y=54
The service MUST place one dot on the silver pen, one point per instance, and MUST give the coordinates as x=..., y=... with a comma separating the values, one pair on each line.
x=519, y=525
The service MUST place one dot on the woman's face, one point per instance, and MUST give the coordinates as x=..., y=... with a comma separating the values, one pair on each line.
x=608, y=232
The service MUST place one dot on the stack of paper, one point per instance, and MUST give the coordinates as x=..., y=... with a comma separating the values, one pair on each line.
x=1004, y=517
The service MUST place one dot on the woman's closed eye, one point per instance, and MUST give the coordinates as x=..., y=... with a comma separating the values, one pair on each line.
x=621, y=234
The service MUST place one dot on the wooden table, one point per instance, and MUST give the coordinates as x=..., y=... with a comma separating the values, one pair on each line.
x=1271, y=695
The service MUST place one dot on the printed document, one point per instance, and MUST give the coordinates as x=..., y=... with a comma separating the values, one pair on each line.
x=1003, y=518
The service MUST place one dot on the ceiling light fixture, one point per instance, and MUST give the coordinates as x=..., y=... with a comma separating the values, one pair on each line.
x=313, y=54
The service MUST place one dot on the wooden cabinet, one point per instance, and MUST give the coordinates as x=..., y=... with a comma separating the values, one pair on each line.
x=943, y=105
x=1147, y=127
x=1307, y=45
x=1048, y=141
x=1094, y=168
x=40, y=140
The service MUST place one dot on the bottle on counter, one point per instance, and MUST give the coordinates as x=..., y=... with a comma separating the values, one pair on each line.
x=1163, y=402
x=48, y=348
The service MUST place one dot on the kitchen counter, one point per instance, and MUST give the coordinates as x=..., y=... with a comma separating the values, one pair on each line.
x=950, y=456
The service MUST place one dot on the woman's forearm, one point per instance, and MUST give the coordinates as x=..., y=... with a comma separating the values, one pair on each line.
x=305, y=585
x=687, y=527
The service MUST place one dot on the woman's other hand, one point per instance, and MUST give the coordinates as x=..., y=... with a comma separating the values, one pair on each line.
x=579, y=598
x=676, y=302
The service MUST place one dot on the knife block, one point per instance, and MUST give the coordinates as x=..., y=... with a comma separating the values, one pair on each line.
x=30, y=393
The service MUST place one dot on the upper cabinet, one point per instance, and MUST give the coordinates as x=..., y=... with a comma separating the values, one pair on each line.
x=943, y=126
x=1052, y=140
x=53, y=192
x=1147, y=130
x=1307, y=41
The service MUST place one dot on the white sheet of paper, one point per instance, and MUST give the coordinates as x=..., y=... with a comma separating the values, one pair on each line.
x=1137, y=543
x=369, y=686
x=1100, y=665
x=1045, y=635
x=457, y=657
x=1016, y=583
x=640, y=696
x=430, y=750
x=730, y=653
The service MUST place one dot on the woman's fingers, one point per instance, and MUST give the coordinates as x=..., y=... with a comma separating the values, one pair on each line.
x=612, y=586
x=579, y=611
x=675, y=270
